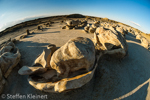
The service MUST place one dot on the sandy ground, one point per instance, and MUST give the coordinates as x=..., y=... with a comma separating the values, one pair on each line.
x=113, y=78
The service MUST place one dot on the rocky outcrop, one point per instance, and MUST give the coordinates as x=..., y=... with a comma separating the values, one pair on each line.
x=110, y=42
x=45, y=57
x=74, y=24
x=76, y=54
x=65, y=84
x=144, y=42
x=75, y=61
x=121, y=30
x=138, y=37
x=9, y=58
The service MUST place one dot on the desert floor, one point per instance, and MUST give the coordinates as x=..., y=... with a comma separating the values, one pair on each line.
x=113, y=77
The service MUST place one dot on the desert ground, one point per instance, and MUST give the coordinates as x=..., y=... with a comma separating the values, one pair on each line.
x=113, y=79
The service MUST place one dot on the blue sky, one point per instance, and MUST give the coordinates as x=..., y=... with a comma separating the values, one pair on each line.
x=135, y=13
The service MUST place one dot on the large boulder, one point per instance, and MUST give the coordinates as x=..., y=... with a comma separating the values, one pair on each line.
x=121, y=30
x=72, y=23
x=144, y=42
x=110, y=42
x=76, y=58
x=76, y=54
x=9, y=58
x=138, y=37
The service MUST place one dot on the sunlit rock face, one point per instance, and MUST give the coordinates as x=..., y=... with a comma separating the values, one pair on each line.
x=110, y=42
x=71, y=66
x=75, y=24
x=77, y=53
x=72, y=23
x=45, y=57
x=144, y=42
x=121, y=30
x=138, y=37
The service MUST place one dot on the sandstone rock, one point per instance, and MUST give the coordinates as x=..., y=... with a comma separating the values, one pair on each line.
x=86, y=28
x=7, y=47
x=76, y=54
x=45, y=57
x=144, y=42
x=72, y=23
x=138, y=37
x=64, y=84
x=136, y=33
x=25, y=70
x=110, y=41
x=92, y=30
x=121, y=30
x=95, y=25
x=9, y=58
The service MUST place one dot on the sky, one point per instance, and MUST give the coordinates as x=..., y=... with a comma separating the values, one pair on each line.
x=135, y=13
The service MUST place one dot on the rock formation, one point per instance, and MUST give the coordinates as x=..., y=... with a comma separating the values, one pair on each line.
x=9, y=58
x=74, y=24
x=75, y=62
x=45, y=57
x=138, y=37
x=144, y=42
x=110, y=41
x=76, y=54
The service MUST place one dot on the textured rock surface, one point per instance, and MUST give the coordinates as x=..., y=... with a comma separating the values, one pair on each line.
x=144, y=42
x=138, y=37
x=45, y=57
x=72, y=22
x=121, y=30
x=64, y=84
x=110, y=41
x=77, y=53
x=9, y=58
